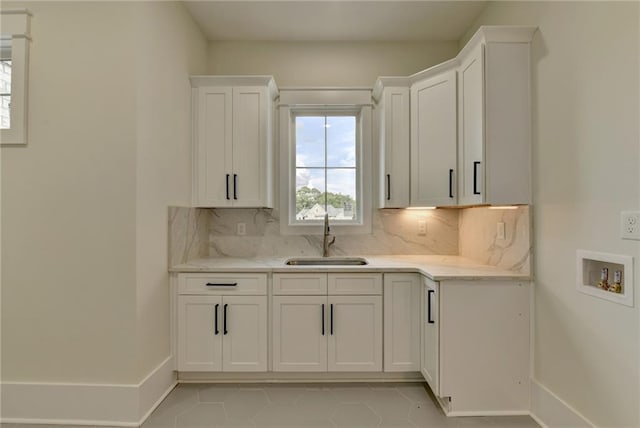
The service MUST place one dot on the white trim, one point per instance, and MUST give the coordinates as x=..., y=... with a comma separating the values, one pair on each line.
x=16, y=23
x=126, y=405
x=347, y=98
x=549, y=410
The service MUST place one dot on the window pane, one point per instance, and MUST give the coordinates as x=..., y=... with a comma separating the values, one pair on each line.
x=341, y=193
x=5, y=93
x=341, y=141
x=310, y=188
x=310, y=141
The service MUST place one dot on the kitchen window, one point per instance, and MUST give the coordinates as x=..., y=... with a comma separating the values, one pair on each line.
x=325, y=163
x=326, y=171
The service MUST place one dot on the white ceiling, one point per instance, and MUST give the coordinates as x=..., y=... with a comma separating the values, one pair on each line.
x=332, y=20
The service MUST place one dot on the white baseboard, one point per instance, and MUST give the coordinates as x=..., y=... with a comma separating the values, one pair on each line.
x=125, y=405
x=550, y=411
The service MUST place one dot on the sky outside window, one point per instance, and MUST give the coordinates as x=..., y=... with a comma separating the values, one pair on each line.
x=326, y=167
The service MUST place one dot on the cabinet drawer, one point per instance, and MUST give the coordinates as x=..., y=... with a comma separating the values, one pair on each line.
x=350, y=283
x=223, y=283
x=300, y=284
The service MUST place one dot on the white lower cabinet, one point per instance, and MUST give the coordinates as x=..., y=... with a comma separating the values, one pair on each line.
x=355, y=333
x=430, y=338
x=475, y=345
x=220, y=331
x=328, y=332
x=402, y=322
x=299, y=333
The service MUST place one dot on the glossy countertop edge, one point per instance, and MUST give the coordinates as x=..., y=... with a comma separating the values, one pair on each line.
x=437, y=268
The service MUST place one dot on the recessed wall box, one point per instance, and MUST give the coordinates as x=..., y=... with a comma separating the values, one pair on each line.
x=592, y=265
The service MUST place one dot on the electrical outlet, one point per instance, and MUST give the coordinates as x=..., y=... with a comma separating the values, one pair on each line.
x=500, y=231
x=630, y=225
x=422, y=226
x=241, y=229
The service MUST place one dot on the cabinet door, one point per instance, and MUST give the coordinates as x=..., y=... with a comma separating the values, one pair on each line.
x=471, y=128
x=244, y=329
x=212, y=153
x=430, y=343
x=250, y=129
x=300, y=330
x=394, y=148
x=402, y=293
x=355, y=333
x=434, y=141
x=199, y=341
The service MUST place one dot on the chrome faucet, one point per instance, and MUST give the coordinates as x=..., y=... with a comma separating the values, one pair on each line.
x=326, y=242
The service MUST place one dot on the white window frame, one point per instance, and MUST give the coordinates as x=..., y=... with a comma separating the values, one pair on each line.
x=293, y=102
x=16, y=26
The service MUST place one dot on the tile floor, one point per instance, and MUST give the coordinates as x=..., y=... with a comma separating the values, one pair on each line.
x=352, y=405
x=312, y=405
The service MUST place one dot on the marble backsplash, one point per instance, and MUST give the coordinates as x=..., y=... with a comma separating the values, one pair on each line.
x=393, y=232
x=478, y=238
x=188, y=234
x=469, y=232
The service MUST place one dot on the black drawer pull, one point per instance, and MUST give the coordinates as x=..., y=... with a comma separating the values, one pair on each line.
x=216, y=331
x=323, y=319
x=235, y=186
x=331, y=329
x=224, y=321
x=228, y=187
x=451, y=183
x=221, y=284
x=388, y=187
x=475, y=178
x=429, y=320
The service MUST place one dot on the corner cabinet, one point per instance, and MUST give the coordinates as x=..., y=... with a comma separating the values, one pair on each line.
x=475, y=345
x=232, y=152
x=402, y=322
x=494, y=117
x=222, y=323
x=391, y=95
x=434, y=137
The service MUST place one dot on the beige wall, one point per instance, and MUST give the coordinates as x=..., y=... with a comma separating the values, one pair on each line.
x=84, y=205
x=170, y=48
x=308, y=64
x=68, y=203
x=586, y=151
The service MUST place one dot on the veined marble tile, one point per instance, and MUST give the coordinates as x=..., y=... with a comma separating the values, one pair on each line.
x=188, y=234
x=478, y=238
x=393, y=232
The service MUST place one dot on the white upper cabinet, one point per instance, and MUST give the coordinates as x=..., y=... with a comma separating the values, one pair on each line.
x=233, y=141
x=494, y=117
x=392, y=97
x=434, y=138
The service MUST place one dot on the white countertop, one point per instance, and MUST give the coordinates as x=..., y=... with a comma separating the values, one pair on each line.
x=435, y=267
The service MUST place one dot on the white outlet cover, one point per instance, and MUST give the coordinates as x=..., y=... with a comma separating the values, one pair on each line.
x=630, y=225
x=241, y=229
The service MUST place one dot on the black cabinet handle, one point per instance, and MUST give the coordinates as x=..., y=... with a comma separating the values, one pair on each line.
x=224, y=322
x=475, y=178
x=331, y=328
x=216, y=331
x=221, y=284
x=323, y=319
x=388, y=187
x=429, y=320
x=451, y=183
x=228, y=187
x=235, y=186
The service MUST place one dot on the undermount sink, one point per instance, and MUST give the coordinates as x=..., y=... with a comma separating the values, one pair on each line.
x=327, y=261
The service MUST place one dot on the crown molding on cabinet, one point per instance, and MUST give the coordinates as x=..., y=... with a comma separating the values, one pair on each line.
x=222, y=80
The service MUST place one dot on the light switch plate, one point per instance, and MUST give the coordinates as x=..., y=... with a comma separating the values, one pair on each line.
x=630, y=225
x=500, y=231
